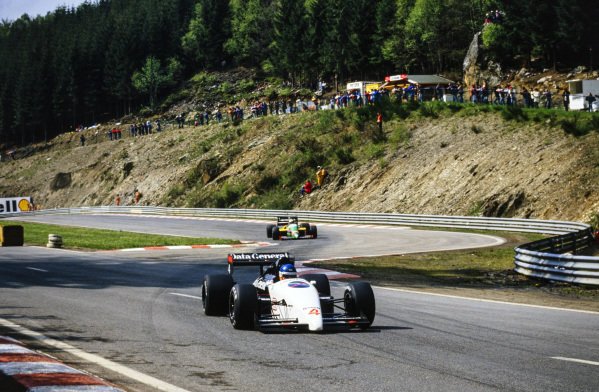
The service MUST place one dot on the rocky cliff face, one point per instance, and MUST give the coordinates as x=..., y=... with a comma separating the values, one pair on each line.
x=475, y=166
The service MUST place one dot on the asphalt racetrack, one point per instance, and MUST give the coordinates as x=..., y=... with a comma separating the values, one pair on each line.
x=141, y=313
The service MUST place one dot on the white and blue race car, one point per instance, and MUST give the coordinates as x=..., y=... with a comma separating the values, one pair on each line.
x=296, y=303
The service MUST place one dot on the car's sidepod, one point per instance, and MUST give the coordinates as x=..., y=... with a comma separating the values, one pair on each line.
x=297, y=299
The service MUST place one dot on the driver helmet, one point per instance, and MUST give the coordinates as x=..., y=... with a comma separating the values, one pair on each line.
x=291, y=220
x=287, y=271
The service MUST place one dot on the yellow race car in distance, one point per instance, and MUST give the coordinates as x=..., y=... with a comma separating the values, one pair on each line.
x=288, y=227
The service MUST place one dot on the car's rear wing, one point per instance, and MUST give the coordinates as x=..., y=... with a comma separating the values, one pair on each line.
x=257, y=259
x=283, y=220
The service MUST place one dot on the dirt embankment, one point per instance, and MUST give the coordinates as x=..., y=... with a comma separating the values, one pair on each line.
x=475, y=166
x=455, y=165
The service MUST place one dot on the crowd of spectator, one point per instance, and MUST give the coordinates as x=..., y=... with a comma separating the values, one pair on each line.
x=495, y=16
x=510, y=96
x=502, y=94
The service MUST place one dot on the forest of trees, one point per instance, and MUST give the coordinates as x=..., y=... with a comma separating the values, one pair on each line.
x=107, y=58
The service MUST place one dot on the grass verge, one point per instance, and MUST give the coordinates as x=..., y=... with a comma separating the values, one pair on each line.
x=100, y=239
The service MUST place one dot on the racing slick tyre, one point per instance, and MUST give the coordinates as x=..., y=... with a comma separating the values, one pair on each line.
x=359, y=301
x=243, y=304
x=313, y=231
x=269, y=230
x=215, y=294
x=305, y=226
x=321, y=283
x=276, y=235
x=324, y=290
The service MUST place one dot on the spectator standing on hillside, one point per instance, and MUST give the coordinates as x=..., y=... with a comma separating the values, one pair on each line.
x=473, y=94
x=137, y=196
x=379, y=121
x=536, y=97
x=566, y=99
x=484, y=91
x=321, y=174
x=82, y=140
x=512, y=94
x=117, y=200
x=548, y=99
x=590, y=99
x=526, y=97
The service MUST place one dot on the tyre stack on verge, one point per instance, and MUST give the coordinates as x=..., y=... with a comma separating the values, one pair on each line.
x=11, y=236
x=54, y=241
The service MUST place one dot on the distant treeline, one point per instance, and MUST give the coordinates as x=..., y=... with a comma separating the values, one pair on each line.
x=75, y=66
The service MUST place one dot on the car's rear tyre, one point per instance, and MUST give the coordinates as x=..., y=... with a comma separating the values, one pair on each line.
x=243, y=305
x=359, y=301
x=269, y=230
x=275, y=233
x=313, y=231
x=215, y=294
x=305, y=226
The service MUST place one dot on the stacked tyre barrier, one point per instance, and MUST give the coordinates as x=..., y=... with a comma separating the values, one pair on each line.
x=54, y=241
x=11, y=235
x=554, y=258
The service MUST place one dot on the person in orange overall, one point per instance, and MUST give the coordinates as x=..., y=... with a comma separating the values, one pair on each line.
x=321, y=174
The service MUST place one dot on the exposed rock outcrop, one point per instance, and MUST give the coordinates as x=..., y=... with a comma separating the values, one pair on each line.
x=477, y=68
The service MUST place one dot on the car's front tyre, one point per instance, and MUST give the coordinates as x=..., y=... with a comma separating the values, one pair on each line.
x=359, y=301
x=243, y=305
x=276, y=234
x=313, y=231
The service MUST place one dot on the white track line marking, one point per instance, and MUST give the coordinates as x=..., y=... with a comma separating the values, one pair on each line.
x=105, y=363
x=577, y=360
x=186, y=295
x=488, y=300
x=36, y=269
x=58, y=249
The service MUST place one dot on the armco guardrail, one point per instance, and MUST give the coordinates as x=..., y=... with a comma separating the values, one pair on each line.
x=541, y=259
x=555, y=259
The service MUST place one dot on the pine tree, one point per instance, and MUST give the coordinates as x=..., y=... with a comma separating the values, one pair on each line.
x=288, y=53
x=251, y=31
x=208, y=30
